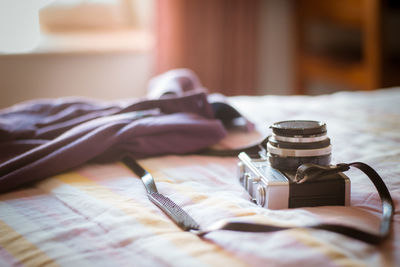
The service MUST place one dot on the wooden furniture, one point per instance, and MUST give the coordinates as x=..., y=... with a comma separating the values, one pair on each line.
x=355, y=63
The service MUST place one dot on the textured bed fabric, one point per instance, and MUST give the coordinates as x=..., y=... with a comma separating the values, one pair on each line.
x=99, y=215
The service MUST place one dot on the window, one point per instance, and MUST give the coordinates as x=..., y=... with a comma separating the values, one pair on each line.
x=81, y=15
x=96, y=25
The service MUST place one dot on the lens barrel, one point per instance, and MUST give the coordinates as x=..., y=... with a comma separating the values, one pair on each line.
x=296, y=142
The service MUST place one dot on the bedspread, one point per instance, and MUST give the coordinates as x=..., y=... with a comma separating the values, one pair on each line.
x=99, y=215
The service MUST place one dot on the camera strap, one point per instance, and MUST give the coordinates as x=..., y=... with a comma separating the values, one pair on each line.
x=305, y=173
x=182, y=219
x=312, y=171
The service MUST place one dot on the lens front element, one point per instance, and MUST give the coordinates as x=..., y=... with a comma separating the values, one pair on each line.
x=296, y=142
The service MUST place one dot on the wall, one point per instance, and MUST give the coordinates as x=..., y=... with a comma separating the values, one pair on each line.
x=104, y=76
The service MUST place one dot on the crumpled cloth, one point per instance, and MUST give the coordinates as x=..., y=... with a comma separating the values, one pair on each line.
x=42, y=138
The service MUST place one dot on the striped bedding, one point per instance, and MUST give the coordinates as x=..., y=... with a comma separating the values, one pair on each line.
x=99, y=215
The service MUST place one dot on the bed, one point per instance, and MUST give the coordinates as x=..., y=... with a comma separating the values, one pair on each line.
x=99, y=215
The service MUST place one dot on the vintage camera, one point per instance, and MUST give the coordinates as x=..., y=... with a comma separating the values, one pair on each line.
x=270, y=177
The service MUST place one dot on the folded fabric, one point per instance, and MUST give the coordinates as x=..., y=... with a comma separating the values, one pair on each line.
x=41, y=138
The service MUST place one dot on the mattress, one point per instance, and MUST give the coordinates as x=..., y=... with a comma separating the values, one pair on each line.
x=99, y=214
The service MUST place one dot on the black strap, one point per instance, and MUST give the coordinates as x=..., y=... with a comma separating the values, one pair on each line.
x=371, y=238
x=169, y=207
x=304, y=172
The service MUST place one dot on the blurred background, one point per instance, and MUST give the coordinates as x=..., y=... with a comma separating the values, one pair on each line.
x=109, y=49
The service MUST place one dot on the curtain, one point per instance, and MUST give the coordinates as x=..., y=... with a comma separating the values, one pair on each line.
x=217, y=39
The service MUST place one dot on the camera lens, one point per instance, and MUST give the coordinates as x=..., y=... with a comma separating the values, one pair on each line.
x=296, y=142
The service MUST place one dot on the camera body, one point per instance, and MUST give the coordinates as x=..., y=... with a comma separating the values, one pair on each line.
x=274, y=189
x=270, y=177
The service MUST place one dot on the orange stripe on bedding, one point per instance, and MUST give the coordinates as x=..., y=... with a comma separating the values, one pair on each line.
x=21, y=249
x=150, y=217
x=142, y=214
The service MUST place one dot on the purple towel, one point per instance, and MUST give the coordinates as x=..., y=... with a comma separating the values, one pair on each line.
x=45, y=137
